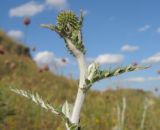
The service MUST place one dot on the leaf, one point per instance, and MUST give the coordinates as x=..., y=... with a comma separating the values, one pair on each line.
x=67, y=109
x=36, y=99
x=92, y=69
x=95, y=74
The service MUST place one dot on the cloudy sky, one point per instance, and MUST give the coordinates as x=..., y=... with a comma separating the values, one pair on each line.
x=116, y=33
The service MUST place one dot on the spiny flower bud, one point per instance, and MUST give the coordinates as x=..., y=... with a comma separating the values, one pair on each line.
x=67, y=21
x=69, y=28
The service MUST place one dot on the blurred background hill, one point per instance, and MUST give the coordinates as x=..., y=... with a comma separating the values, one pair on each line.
x=18, y=69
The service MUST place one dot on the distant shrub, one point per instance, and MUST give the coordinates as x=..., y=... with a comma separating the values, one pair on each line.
x=21, y=50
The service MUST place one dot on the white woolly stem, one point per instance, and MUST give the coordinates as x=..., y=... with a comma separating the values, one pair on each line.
x=81, y=94
x=77, y=106
x=83, y=74
x=71, y=46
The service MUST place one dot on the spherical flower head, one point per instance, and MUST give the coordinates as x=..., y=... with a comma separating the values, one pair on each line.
x=67, y=21
x=26, y=21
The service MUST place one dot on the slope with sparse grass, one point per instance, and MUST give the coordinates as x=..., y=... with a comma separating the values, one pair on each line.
x=17, y=69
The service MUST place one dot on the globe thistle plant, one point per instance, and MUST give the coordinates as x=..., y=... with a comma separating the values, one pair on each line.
x=69, y=27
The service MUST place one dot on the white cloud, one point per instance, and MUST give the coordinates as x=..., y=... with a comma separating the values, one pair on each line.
x=16, y=34
x=109, y=58
x=152, y=59
x=144, y=28
x=135, y=79
x=142, y=79
x=48, y=58
x=60, y=61
x=43, y=58
x=158, y=29
x=28, y=9
x=129, y=48
x=153, y=78
x=59, y=4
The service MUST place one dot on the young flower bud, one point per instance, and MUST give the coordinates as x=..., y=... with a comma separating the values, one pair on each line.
x=92, y=68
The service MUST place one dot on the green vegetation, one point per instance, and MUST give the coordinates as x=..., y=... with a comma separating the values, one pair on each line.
x=4, y=110
x=8, y=46
x=99, y=113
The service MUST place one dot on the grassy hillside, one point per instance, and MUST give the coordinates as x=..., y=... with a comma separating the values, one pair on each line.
x=8, y=46
x=99, y=111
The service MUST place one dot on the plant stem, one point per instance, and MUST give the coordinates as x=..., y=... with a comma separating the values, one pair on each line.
x=143, y=117
x=123, y=113
x=67, y=127
x=83, y=74
x=119, y=116
x=81, y=94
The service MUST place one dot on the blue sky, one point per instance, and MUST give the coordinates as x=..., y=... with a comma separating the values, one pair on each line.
x=116, y=33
